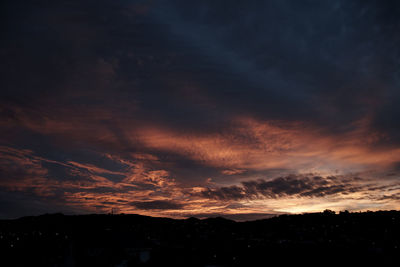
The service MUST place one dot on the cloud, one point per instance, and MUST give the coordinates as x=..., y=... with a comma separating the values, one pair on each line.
x=240, y=217
x=232, y=171
x=19, y=168
x=289, y=186
x=157, y=205
x=115, y=102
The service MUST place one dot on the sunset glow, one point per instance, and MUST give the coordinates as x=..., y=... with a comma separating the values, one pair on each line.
x=175, y=109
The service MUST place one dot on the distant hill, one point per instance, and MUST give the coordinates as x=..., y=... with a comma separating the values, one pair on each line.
x=135, y=240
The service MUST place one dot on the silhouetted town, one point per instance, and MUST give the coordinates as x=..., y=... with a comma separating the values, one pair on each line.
x=324, y=238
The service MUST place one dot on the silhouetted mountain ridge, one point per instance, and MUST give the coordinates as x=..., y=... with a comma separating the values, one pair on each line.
x=136, y=240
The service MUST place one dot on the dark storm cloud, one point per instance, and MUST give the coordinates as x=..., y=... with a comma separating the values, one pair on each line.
x=297, y=54
x=302, y=186
x=157, y=205
x=194, y=66
x=395, y=197
x=279, y=60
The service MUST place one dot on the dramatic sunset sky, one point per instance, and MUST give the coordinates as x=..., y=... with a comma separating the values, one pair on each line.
x=199, y=108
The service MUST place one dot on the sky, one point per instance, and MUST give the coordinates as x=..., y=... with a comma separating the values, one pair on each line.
x=243, y=109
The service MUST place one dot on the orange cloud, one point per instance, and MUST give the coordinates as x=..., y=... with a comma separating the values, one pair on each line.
x=274, y=145
x=247, y=145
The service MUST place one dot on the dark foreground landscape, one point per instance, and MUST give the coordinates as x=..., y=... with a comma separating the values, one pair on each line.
x=133, y=240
